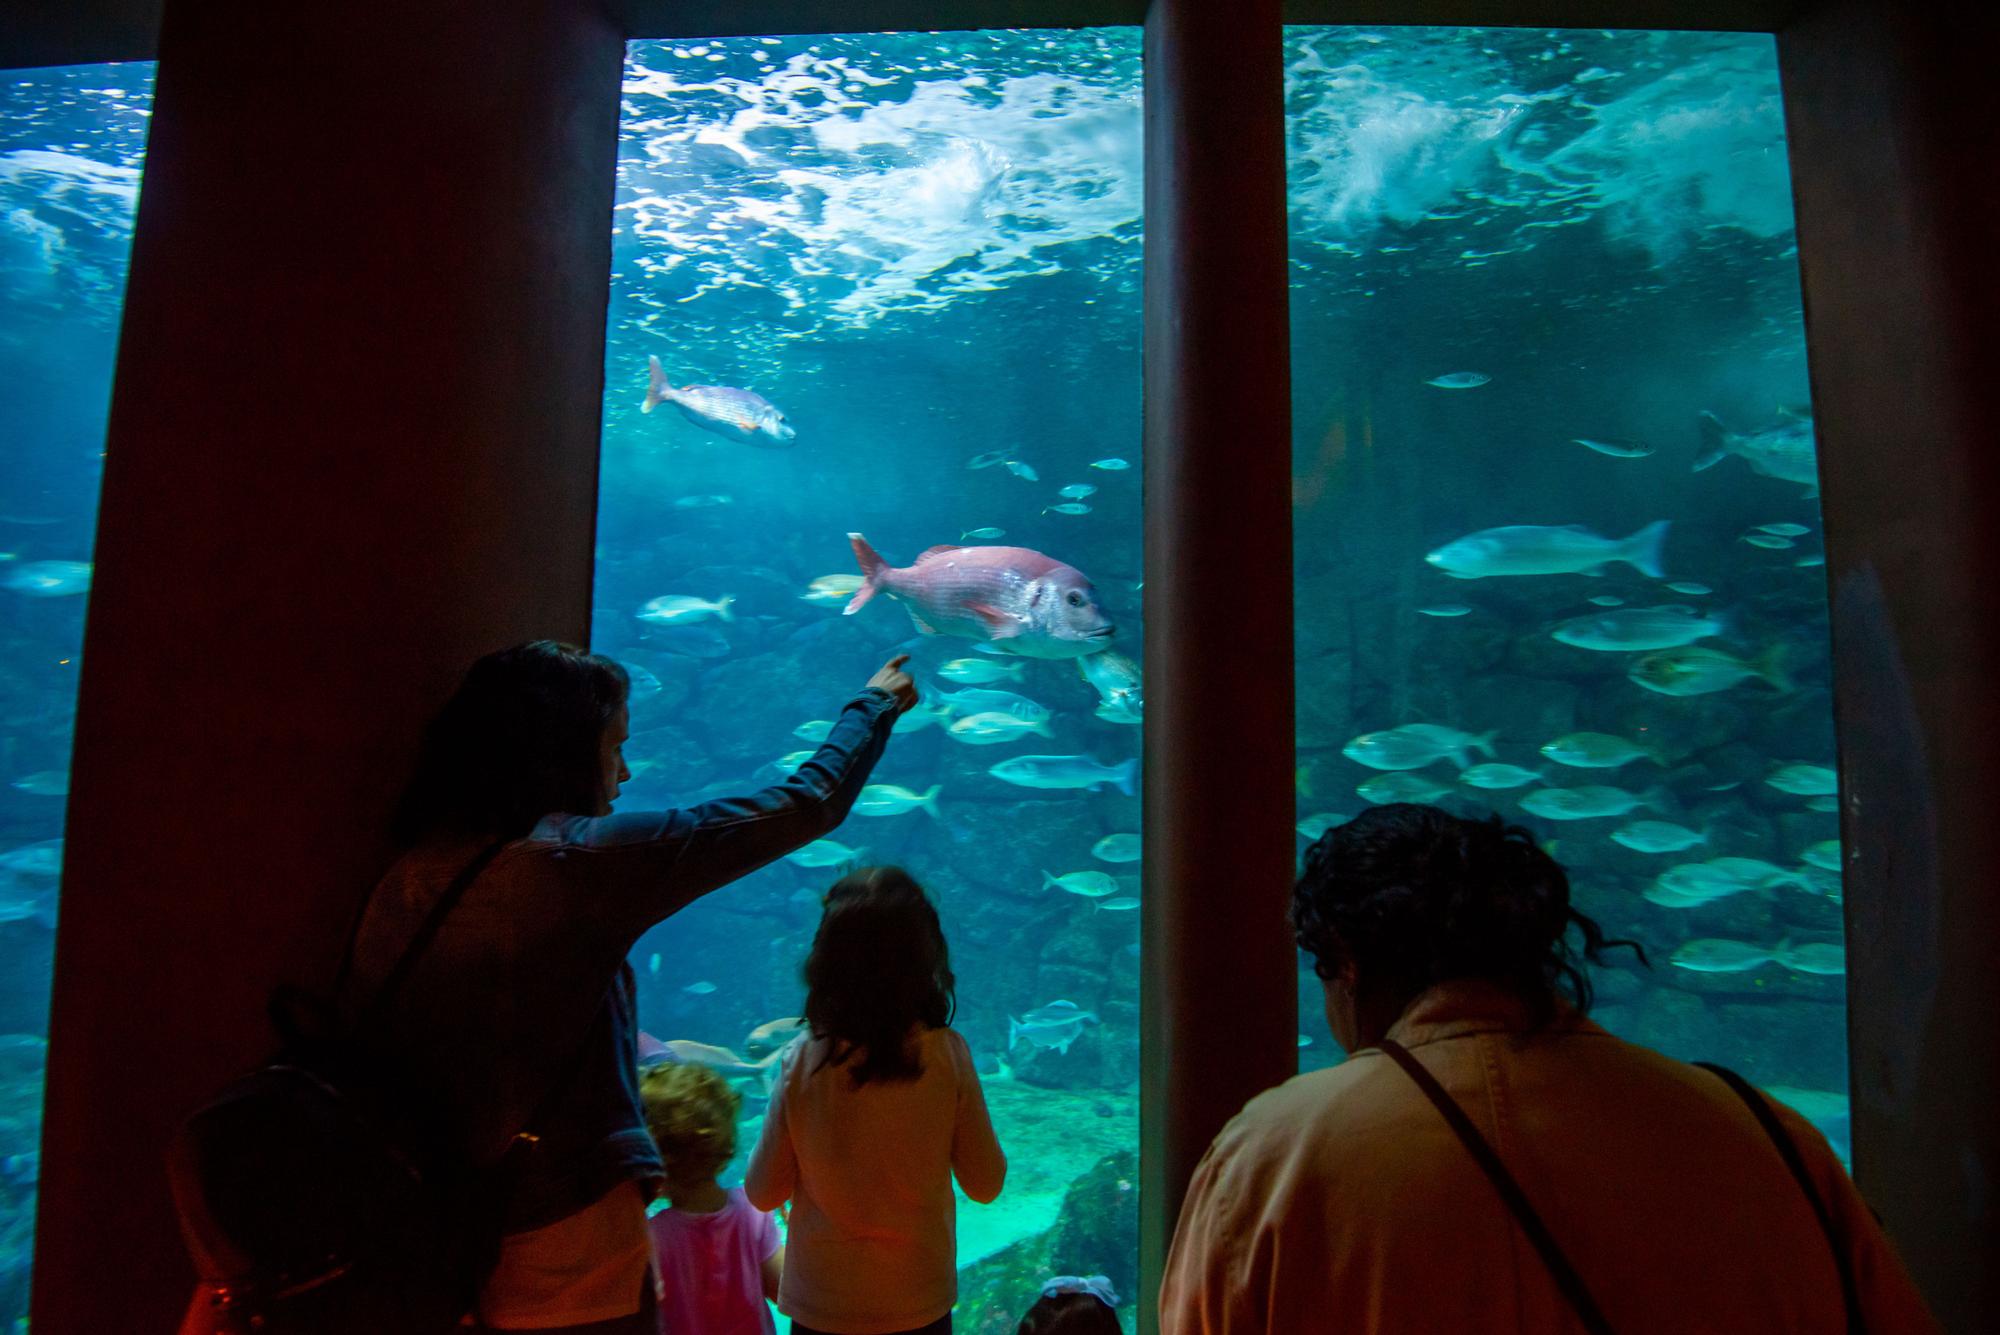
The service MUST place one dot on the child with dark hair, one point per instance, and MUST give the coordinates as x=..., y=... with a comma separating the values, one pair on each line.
x=716, y=1257
x=1073, y=1305
x=877, y=1108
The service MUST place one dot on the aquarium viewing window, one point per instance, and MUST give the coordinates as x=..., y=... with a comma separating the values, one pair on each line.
x=876, y=294
x=1558, y=540
x=72, y=144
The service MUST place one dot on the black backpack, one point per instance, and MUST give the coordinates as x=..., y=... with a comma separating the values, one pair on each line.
x=321, y=1194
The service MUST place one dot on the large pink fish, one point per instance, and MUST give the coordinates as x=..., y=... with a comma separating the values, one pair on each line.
x=1018, y=599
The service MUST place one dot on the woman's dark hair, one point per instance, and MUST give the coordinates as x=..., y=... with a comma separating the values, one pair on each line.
x=879, y=967
x=520, y=738
x=1416, y=896
x=1069, y=1314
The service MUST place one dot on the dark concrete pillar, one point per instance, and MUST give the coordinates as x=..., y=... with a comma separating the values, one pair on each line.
x=1891, y=121
x=1219, y=968
x=353, y=445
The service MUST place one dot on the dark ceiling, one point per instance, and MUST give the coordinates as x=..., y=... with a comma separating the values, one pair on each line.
x=74, y=32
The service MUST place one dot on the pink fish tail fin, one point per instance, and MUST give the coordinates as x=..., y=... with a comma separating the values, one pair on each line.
x=658, y=387
x=873, y=569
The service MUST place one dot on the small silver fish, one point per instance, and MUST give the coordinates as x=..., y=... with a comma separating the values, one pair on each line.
x=1637, y=629
x=1720, y=955
x=1616, y=447
x=48, y=579
x=986, y=534
x=1019, y=469
x=1782, y=451
x=1802, y=780
x=1111, y=465
x=994, y=727
x=1076, y=491
x=1825, y=855
x=1313, y=826
x=1820, y=957
x=44, y=783
x=1444, y=610
x=816, y=731
x=701, y=989
x=888, y=799
x=1532, y=549
x=1690, y=588
x=987, y=460
x=825, y=853
x=1785, y=530
x=1089, y=884
x=1459, y=380
x=1656, y=836
x=1067, y=772
x=1588, y=801
x=1768, y=540
x=680, y=609
x=979, y=671
x=1122, y=904
x=1608, y=600
x=1068, y=508
x=1401, y=786
x=702, y=502
x=1116, y=848
x=1495, y=776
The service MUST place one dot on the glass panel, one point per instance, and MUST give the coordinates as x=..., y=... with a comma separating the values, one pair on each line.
x=72, y=142
x=1544, y=279
x=923, y=251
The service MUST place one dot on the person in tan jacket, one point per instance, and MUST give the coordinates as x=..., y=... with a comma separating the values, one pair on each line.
x=1344, y=1200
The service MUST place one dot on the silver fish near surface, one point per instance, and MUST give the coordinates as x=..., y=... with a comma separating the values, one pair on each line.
x=1013, y=598
x=1784, y=450
x=736, y=414
x=1529, y=549
x=1637, y=629
x=1459, y=380
x=1067, y=772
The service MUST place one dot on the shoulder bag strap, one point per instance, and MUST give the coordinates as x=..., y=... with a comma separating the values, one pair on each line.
x=399, y=973
x=1560, y=1269
x=1789, y=1151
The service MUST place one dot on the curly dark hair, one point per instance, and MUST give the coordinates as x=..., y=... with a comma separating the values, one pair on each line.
x=879, y=967
x=1414, y=896
x=518, y=740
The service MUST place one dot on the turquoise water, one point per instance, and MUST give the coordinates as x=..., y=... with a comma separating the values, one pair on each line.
x=924, y=250
x=1597, y=228
x=72, y=142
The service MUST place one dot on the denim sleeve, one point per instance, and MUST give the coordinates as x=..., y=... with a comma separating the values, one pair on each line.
x=659, y=862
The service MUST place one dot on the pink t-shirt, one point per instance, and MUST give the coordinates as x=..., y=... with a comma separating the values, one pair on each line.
x=711, y=1269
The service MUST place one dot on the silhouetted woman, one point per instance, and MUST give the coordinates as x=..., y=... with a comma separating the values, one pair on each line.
x=1347, y=1199
x=520, y=1013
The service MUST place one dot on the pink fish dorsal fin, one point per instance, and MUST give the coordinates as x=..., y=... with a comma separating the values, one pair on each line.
x=939, y=550
x=1000, y=625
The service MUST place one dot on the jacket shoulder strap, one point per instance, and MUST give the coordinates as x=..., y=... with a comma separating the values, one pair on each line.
x=1558, y=1264
x=1788, y=1150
